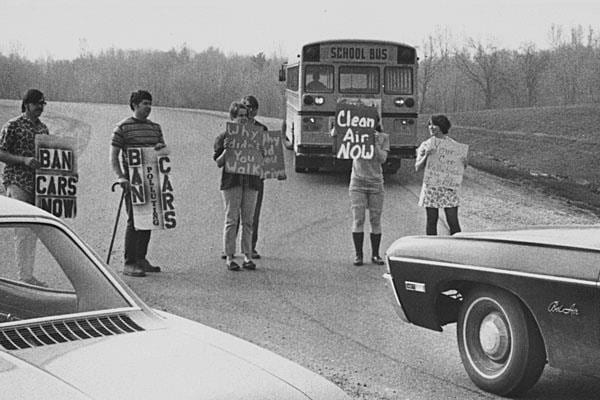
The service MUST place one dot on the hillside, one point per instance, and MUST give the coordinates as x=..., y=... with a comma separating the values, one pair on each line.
x=553, y=148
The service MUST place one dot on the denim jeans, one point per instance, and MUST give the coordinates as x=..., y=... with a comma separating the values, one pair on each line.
x=239, y=202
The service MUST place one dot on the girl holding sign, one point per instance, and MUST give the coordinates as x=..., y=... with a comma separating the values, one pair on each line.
x=366, y=193
x=440, y=185
x=240, y=192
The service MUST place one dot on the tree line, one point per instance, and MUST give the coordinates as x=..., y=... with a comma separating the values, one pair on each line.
x=179, y=78
x=452, y=78
x=479, y=76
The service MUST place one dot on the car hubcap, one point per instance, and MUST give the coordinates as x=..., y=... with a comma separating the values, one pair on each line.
x=494, y=337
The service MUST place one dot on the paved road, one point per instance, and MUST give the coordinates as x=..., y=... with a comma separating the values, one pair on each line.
x=306, y=301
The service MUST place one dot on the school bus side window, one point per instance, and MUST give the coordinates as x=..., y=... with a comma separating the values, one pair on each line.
x=359, y=79
x=292, y=78
x=318, y=78
x=398, y=80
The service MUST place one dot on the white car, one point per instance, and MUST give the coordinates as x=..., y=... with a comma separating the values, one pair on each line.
x=80, y=333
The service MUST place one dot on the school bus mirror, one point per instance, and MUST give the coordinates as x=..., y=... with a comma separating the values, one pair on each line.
x=282, y=74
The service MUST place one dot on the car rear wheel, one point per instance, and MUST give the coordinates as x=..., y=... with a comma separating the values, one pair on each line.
x=500, y=345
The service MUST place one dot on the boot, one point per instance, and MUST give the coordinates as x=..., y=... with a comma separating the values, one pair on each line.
x=357, y=238
x=375, y=242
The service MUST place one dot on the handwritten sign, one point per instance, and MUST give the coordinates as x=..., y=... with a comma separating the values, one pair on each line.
x=445, y=166
x=246, y=156
x=56, y=180
x=355, y=127
x=273, y=162
x=152, y=194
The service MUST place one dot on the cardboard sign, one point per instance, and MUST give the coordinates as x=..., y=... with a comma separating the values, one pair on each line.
x=273, y=163
x=355, y=127
x=246, y=156
x=445, y=166
x=152, y=195
x=56, y=180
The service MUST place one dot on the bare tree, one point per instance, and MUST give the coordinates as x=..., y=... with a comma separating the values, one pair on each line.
x=482, y=68
x=428, y=67
x=532, y=64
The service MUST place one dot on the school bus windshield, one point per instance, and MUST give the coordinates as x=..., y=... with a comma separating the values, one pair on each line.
x=359, y=79
x=318, y=78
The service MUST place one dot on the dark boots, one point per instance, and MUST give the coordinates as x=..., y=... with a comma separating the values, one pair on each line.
x=357, y=238
x=375, y=242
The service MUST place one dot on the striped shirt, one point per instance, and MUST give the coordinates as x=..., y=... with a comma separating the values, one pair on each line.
x=132, y=132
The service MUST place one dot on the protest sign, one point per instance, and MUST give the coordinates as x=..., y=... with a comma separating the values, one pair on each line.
x=355, y=126
x=273, y=163
x=245, y=156
x=445, y=166
x=56, y=179
x=152, y=194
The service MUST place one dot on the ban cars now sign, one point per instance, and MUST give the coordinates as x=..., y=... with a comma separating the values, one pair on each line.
x=152, y=194
x=56, y=179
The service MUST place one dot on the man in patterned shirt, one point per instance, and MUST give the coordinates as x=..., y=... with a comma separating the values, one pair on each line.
x=135, y=131
x=17, y=152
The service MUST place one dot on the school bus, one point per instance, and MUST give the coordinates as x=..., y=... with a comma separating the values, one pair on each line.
x=380, y=73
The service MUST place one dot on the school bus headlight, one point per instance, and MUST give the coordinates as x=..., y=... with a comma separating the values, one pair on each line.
x=410, y=102
x=319, y=100
x=309, y=100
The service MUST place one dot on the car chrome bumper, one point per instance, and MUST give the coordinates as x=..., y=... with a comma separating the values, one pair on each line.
x=395, y=301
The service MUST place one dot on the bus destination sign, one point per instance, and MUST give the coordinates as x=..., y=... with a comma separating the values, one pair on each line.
x=357, y=53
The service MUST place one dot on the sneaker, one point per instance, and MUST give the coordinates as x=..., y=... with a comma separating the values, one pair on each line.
x=358, y=261
x=133, y=270
x=377, y=260
x=147, y=267
x=255, y=255
x=35, y=282
x=233, y=266
x=249, y=265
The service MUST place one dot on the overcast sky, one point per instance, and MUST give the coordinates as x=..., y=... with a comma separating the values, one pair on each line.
x=61, y=28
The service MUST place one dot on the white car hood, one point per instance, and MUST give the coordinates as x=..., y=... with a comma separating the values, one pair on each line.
x=180, y=361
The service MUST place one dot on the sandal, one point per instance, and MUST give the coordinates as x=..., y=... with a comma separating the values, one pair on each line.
x=233, y=266
x=249, y=264
x=358, y=261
